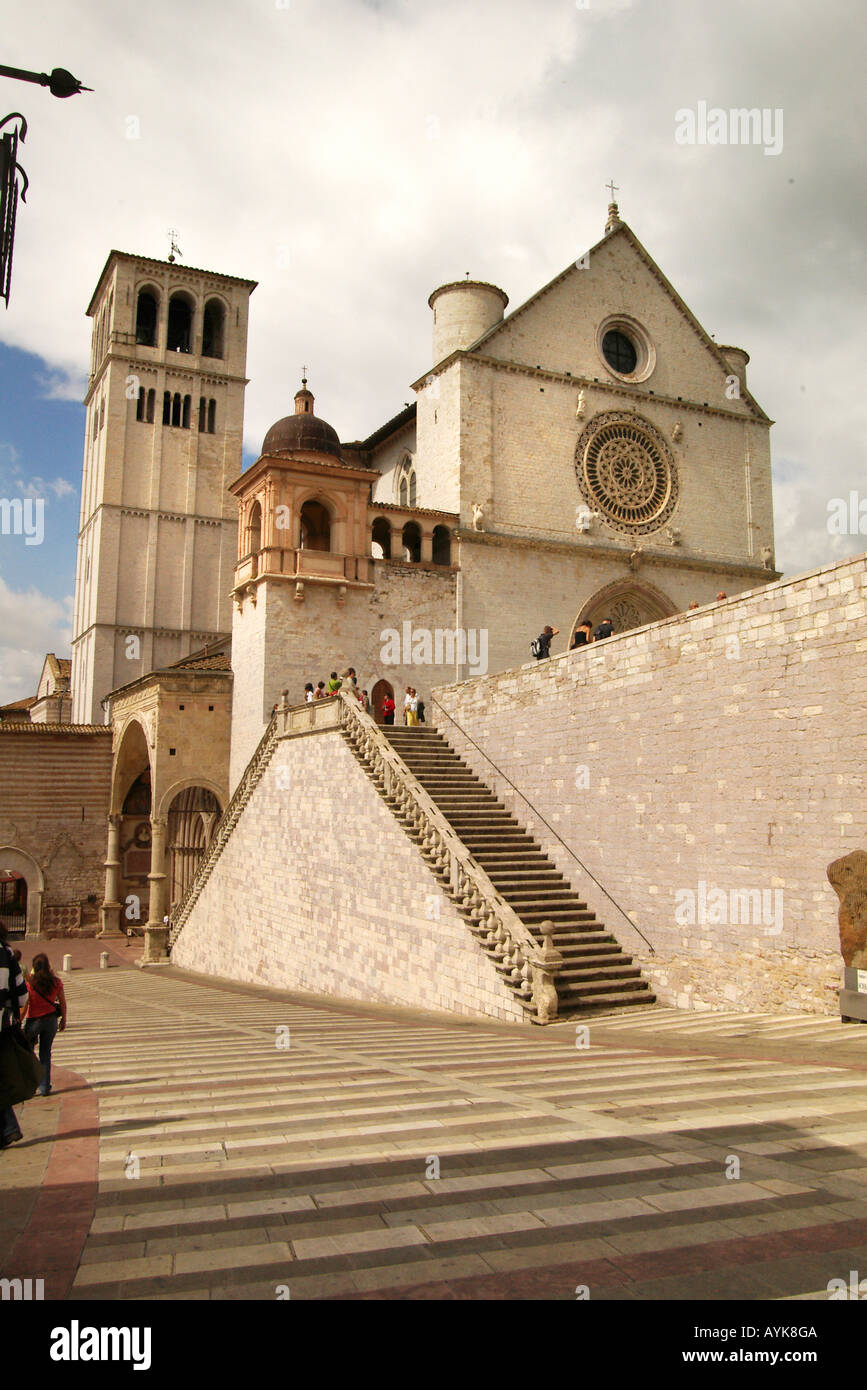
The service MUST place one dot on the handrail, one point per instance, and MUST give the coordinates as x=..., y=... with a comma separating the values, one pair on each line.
x=530, y=968
x=537, y=812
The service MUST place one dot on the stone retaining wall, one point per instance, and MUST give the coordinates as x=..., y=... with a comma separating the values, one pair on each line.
x=708, y=767
x=318, y=888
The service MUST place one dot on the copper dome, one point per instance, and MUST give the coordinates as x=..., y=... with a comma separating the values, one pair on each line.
x=302, y=431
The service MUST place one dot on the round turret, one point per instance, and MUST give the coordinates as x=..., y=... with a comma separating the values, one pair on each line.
x=463, y=310
x=737, y=359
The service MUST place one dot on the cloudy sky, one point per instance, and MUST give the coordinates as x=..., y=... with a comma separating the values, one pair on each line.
x=351, y=155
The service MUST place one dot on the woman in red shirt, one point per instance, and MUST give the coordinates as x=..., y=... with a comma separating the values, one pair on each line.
x=45, y=1012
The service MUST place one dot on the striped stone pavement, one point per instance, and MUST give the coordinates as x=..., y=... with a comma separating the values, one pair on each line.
x=259, y=1146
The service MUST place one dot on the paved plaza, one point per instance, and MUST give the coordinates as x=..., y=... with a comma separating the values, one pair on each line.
x=208, y=1141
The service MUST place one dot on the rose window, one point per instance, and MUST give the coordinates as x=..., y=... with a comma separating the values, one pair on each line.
x=625, y=616
x=626, y=472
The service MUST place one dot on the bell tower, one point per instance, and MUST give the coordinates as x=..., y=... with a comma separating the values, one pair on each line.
x=157, y=538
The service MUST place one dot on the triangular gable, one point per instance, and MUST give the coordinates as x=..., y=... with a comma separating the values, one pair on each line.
x=625, y=232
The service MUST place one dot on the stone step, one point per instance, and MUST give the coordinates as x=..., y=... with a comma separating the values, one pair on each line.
x=596, y=973
x=581, y=974
x=578, y=989
x=570, y=1007
x=538, y=910
x=543, y=879
x=578, y=962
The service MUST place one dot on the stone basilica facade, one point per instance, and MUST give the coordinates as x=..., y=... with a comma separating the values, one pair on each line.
x=593, y=452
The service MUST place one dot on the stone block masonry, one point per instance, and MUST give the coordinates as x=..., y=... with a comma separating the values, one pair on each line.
x=55, y=781
x=706, y=769
x=319, y=889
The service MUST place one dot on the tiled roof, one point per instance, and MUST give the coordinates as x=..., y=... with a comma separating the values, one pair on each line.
x=14, y=726
x=390, y=427
x=211, y=657
x=18, y=705
x=410, y=511
x=205, y=663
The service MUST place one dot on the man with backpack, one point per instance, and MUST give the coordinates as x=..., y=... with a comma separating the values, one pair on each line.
x=605, y=629
x=541, y=645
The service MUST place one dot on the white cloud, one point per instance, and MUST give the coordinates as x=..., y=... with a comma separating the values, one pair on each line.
x=352, y=156
x=15, y=481
x=32, y=624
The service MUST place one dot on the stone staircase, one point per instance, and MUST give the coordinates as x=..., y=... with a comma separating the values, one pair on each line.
x=596, y=974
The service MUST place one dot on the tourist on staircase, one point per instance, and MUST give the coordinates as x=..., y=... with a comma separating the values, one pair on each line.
x=388, y=710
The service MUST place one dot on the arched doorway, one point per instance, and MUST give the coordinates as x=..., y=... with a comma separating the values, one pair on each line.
x=627, y=604
x=13, y=902
x=192, y=816
x=22, y=884
x=377, y=695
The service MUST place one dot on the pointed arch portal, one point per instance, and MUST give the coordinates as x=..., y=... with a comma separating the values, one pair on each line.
x=628, y=604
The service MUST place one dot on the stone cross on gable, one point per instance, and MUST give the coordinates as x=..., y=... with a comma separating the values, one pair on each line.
x=612, y=188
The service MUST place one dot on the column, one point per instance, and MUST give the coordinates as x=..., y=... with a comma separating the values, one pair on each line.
x=109, y=913
x=156, y=930
x=427, y=547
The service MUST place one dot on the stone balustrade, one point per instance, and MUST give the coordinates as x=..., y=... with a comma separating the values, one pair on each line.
x=527, y=967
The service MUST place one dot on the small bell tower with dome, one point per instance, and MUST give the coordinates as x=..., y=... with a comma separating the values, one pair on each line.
x=303, y=567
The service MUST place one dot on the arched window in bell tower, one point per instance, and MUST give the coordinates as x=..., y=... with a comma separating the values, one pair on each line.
x=179, y=337
x=213, y=325
x=146, y=313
